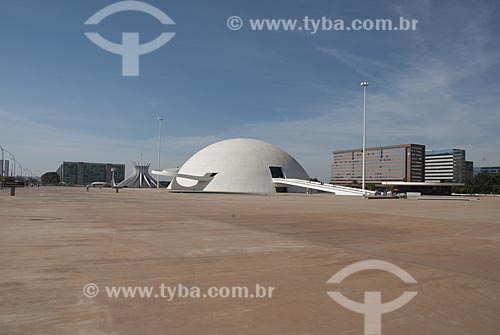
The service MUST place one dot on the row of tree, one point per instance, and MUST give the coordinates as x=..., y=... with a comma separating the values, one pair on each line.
x=482, y=183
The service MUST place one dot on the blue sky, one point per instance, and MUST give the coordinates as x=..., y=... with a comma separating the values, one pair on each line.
x=64, y=98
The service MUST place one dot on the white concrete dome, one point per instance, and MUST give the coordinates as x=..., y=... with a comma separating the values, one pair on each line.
x=241, y=165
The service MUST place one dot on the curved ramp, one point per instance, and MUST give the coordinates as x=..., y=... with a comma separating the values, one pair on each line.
x=338, y=190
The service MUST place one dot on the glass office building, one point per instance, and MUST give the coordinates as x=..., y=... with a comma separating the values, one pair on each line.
x=448, y=165
x=401, y=162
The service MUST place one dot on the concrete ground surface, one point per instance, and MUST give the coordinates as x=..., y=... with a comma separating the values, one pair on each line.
x=55, y=240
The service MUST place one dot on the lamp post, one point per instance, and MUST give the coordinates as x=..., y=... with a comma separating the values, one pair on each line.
x=21, y=168
x=3, y=164
x=364, y=84
x=160, y=120
x=23, y=173
x=30, y=175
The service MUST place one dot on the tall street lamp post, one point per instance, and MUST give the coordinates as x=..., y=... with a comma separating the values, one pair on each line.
x=364, y=84
x=160, y=120
x=2, y=167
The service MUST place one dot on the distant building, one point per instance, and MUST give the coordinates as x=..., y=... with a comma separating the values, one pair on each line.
x=5, y=165
x=83, y=173
x=402, y=162
x=469, y=170
x=447, y=165
x=486, y=169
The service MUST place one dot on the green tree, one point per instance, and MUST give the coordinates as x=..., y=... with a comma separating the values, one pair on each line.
x=483, y=183
x=51, y=178
x=370, y=186
x=355, y=184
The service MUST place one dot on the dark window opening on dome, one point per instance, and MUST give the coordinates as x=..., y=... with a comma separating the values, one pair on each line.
x=277, y=172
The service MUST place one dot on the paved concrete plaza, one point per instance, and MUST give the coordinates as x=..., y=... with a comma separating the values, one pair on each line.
x=55, y=240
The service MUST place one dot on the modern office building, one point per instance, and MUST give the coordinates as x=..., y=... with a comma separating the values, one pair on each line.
x=486, y=169
x=446, y=165
x=83, y=173
x=401, y=162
